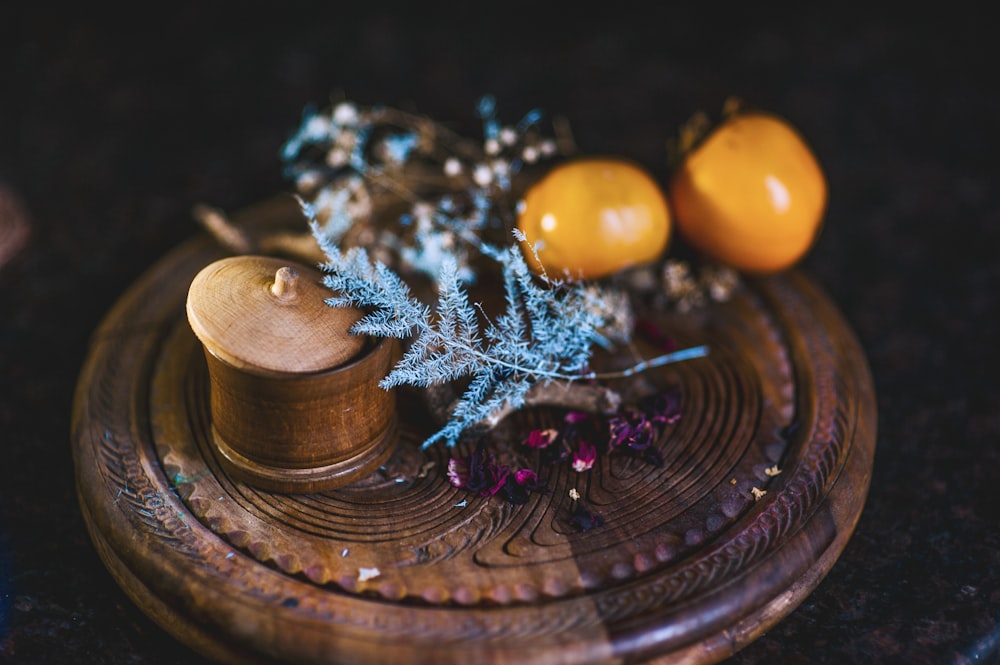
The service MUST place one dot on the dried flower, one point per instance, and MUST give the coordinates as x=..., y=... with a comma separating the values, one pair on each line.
x=584, y=456
x=633, y=430
x=483, y=474
x=526, y=477
x=676, y=284
x=662, y=408
x=583, y=518
x=720, y=281
x=541, y=438
x=458, y=472
x=486, y=476
x=688, y=290
x=629, y=430
x=521, y=484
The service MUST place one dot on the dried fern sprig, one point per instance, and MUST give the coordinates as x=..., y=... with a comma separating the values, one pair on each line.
x=546, y=332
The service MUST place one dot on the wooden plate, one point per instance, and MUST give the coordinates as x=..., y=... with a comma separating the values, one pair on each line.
x=691, y=565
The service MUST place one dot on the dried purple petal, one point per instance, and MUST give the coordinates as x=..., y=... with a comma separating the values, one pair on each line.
x=541, y=438
x=619, y=429
x=574, y=417
x=662, y=408
x=498, y=477
x=486, y=476
x=458, y=472
x=584, y=456
x=478, y=477
x=520, y=484
x=526, y=477
x=583, y=518
x=514, y=492
x=642, y=434
x=635, y=432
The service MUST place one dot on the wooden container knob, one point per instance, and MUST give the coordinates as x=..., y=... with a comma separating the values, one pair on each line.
x=295, y=401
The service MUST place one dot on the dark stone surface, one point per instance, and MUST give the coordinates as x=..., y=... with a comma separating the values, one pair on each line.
x=112, y=127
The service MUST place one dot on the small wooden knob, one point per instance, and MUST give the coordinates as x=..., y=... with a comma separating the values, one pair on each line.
x=286, y=282
x=295, y=400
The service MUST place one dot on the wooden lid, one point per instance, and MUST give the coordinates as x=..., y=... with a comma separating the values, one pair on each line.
x=262, y=313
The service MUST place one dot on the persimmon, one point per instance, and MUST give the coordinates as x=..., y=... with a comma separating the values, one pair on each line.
x=751, y=195
x=592, y=217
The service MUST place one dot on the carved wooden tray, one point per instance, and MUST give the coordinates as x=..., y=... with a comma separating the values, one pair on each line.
x=689, y=567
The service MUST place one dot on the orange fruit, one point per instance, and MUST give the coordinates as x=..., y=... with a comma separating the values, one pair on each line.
x=751, y=195
x=593, y=217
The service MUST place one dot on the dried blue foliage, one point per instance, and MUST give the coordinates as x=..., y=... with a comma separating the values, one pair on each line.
x=346, y=157
x=399, y=146
x=546, y=331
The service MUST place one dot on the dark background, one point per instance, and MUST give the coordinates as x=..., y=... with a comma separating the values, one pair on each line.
x=112, y=127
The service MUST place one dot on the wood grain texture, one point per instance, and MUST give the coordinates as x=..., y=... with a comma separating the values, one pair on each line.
x=689, y=567
x=303, y=432
x=266, y=315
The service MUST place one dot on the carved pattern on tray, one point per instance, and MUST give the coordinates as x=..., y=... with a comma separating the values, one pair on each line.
x=336, y=533
x=302, y=554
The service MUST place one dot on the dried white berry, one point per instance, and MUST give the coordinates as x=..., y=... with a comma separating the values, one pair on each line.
x=482, y=175
x=452, y=167
x=337, y=158
x=317, y=127
x=508, y=136
x=307, y=181
x=345, y=113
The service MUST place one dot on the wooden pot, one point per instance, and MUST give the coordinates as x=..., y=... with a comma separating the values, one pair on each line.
x=295, y=401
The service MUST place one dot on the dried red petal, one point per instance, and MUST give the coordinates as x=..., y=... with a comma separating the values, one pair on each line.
x=526, y=477
x=663, y=408
x=583, y=518
x=541, y=438
x=458, y=472
x=584, y=456
x=498, y=474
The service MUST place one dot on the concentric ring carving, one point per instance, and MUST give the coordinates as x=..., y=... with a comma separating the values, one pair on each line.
x=483, y=550
x=783, y=387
